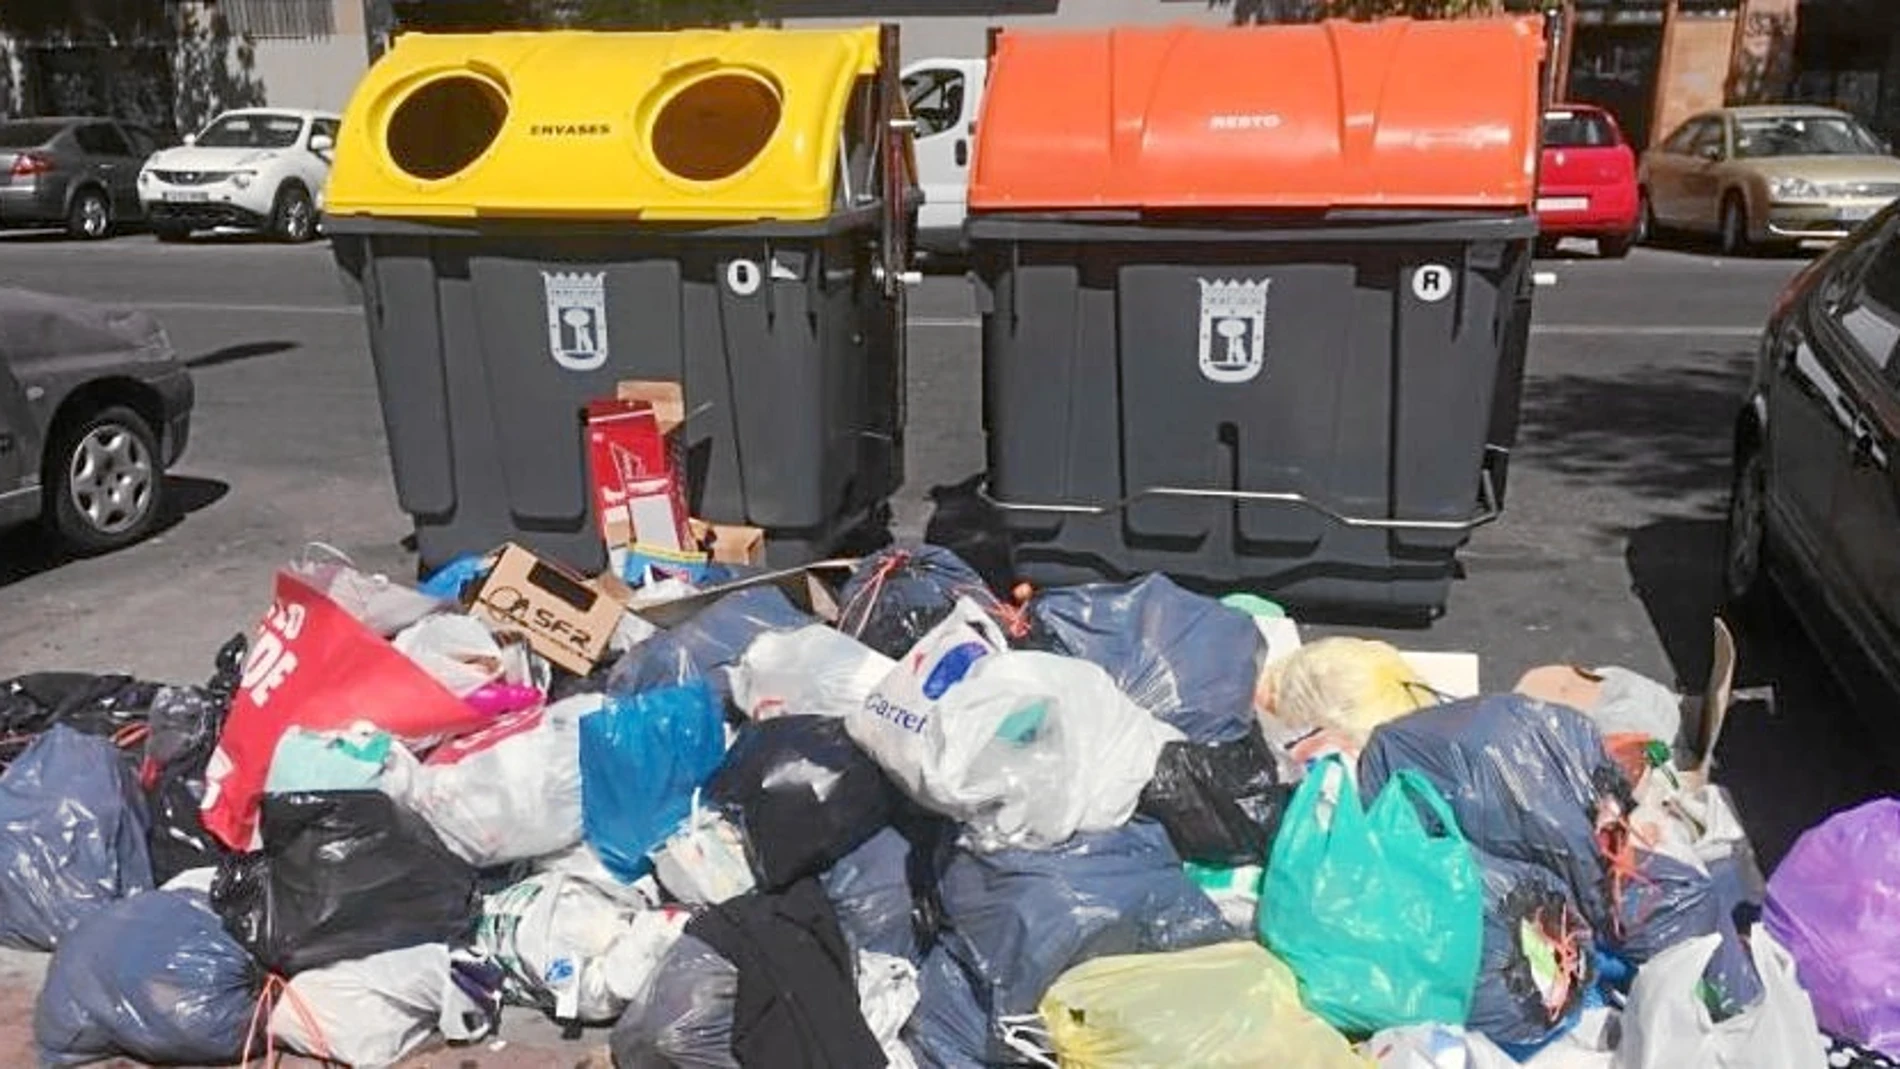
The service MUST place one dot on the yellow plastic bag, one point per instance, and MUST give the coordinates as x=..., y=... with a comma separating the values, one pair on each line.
x=1345, y=685
x=1229, y=1005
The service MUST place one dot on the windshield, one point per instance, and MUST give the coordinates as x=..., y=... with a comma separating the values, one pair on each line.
x=28, y=134
x=1578, y=129
x=1805, y=135
x=252, y=131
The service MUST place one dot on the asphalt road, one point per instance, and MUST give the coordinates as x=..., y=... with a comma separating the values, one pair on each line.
x=1608, y=553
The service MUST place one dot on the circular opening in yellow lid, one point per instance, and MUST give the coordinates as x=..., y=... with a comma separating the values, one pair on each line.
x=714, y=127
x=445, y=125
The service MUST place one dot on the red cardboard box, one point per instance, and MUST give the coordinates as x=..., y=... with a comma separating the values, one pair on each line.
x=637, y=466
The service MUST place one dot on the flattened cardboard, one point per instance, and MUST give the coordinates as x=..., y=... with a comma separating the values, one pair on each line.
x=566, y=618
x=666, y=398
x=801, y=584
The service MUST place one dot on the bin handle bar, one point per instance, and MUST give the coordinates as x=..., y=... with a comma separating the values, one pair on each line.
x=1488, y=508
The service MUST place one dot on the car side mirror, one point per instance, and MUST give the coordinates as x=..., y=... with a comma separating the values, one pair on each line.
x=322, y=143
x=1712, y=153
x=190, y=139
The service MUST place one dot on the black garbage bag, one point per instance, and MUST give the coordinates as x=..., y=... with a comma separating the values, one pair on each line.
x=1221, y=803
x=1016, y=919
x=1664, y=901
x=714, y=638
x=155, y=978
x=1527, y=780
x=897, y=595
x=72, y=831
x=1184, y=657
x=343, y=875
x=105, y=706
x=685, y=1019
x=1539, y=957
x=970, y=525
x=185, y=722
x=803, y=795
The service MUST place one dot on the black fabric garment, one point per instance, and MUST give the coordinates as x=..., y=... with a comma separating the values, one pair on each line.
x=798, y=994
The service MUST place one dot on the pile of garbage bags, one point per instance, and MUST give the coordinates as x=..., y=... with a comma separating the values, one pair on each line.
x=921, y=823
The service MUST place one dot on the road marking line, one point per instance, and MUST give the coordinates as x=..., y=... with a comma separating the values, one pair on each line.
x=1553, y=329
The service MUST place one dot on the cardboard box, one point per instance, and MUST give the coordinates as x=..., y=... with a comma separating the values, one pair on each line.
x=637, y=466
x=730, y=543
x=566, y=618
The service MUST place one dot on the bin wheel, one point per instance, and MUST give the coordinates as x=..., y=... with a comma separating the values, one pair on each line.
x=293, y=219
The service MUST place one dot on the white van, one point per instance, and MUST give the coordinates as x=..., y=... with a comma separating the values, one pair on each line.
x=944, y=97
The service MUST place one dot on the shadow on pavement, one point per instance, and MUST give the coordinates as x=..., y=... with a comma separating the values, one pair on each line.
x=232, y=354
x=1790, y=761
x=1659, y=431
x=30, y=550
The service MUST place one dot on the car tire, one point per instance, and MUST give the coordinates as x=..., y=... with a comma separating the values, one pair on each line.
x=89, y=218
x=171, y=235
x=1732, y=230
x=1547, y=246
x=1615, y=248
x=106, y=480
x=1648, y=231
x=293, y=215
x=1746, y=588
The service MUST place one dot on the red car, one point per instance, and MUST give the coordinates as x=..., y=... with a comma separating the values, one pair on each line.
x=1586, y=185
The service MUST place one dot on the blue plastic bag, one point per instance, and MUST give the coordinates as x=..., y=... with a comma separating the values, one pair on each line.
x=642, y=757
x=1379, y=914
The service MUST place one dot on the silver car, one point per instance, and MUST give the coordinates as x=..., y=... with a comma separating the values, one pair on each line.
x=77, y=173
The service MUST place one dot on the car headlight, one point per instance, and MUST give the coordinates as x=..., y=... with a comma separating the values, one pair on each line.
x=145, y=178
x=1792, y=188
x=243, y=179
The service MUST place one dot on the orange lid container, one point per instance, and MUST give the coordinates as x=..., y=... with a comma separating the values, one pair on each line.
x=1395, y=113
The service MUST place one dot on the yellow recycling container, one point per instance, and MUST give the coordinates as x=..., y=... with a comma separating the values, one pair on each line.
x=533, y=218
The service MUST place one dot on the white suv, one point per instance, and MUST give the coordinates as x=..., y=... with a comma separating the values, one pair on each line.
x=255, y=169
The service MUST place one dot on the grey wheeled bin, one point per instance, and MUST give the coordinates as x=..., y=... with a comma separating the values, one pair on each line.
x=1255, y=301
x=533, y=218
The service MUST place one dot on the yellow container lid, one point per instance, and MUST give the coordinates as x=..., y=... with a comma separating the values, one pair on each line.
x=693, y=125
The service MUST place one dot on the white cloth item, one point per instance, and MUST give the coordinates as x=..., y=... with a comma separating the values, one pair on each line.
x=888, y=995
x=813, y=671
x=371, y=1012
x=1667, y=1026
x=505, y=795
x=556, y=935
x=1435, y=1046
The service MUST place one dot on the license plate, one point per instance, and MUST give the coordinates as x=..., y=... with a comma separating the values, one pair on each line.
x=1562, y=204
x=186, y=196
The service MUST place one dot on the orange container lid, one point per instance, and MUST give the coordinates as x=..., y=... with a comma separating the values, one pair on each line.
x=1395, y=113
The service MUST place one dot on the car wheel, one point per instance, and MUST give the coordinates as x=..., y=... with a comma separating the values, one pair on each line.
x=1615, y=248
x=1547, y=246
x=171, y=235
x=1734, y=229
x=1743, y=574
x=293, y=219
x=1648, y=231
x=106, y=481
x=90, y=217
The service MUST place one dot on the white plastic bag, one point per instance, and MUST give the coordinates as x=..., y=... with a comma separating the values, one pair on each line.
x=887, y=995
x=813, y=671
x=372, y=1011
x=507, y=793
x=1666, y=1025
x=556, y=937
x=384, y=606
x=1435, y=1046
x=704, y=862
x=895, y=722
x=459, y=652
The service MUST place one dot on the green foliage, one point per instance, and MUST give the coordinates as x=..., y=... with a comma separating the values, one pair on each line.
x=1255, y=11
x=661, y=14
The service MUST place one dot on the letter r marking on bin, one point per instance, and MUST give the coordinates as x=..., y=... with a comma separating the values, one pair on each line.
x=1431, y=283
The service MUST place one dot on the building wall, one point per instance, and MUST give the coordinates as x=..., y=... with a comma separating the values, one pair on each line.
x=315, y=71
x=1694, y=73
x=965, y=32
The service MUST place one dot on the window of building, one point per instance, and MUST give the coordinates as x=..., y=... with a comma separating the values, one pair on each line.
x=264, y=19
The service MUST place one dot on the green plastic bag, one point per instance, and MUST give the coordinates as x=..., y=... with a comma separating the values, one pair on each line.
x=1381, y=920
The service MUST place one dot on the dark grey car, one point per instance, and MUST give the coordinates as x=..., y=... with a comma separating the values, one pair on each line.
x=1816, y=504
x=94, y=407
x=78, y=173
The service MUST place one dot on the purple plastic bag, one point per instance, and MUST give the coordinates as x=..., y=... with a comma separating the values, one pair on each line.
x=1835, y=904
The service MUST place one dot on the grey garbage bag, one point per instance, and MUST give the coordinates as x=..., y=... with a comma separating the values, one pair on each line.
x=1526, y=779
x=685, y=1020
x=949, y=1029
x=714, y=638
x=1667, y=901
x=1186, y=658
x=871, y=890
x=1539, y=957
x=154, y=977
x=1015, y=919
x=72, y=831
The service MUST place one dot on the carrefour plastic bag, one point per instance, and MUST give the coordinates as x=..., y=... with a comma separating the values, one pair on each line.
x=1221, y=802
x=573, y=950
x=1015, y=919
x=1186, y=658
x=1668, y=1026
x=72, y=830
x=813, y=671
x=642, y=757
x=1380, y=914
x=1233, y=1004
x=1345, y=685
x=1539, y=954
x=153, y=977
x=802, y=794
x=1528, y=781
x=684, y=1020
x=1835, y=903
x=370, y=1012
x=509, y=792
